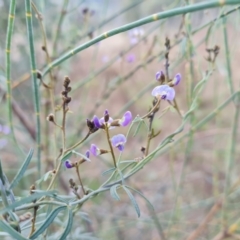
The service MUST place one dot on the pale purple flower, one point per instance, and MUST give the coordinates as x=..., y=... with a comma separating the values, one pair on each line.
x=126, y=119
x=133, y=40
x=95, y=150
x=159, y=75
x=135, y=34
x=176, y=79
x=6, y=130
x=68, y=164
x=164, y=91
x=130, y=58
x=118, y=141
x=3, y=143
x=105, y=59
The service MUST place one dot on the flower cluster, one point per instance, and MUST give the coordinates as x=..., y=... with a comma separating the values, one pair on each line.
x=105, y=123
x=166, y=91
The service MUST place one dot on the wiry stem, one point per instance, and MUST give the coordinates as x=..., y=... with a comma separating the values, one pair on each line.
x=80, y=180
x=153, y=109
x=110, y=145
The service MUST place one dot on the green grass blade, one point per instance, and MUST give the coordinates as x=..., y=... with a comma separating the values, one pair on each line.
x=11, y=17
x=34, y=81
x=22, y=170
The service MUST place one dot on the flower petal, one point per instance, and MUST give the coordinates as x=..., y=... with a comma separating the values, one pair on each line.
x=120, y=147
x=126, y=119
x=68, y=164
x=157, y=91
x=177, y=79
x=96, y=122
x=94, y=150
x=118, y=139
x=170, y=94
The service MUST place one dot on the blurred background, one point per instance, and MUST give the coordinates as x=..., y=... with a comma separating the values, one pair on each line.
x=182, y=182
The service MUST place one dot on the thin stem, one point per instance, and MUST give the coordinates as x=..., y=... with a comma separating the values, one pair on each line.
x=34, y=81
x=110, y=145
x=153, y=109
x=80, y=180
x=33, y=221
x=63, y=126
x=59, y=25
x=78, y=143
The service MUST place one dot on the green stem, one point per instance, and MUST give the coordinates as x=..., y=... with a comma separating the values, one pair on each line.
x=11, y=17
x=231, y=157
x=152, y=18
x=34, y=81
x=227, y=55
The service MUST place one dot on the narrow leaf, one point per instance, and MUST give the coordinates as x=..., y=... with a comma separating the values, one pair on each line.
x=66, y=156
x=133, y=201
x=108, y=171
x=82, y=155
x=48, y=221
x=141, y=196
x=113, y=192
x=69, y=225
x=26, y=200
x=22, y=170
x=1, y=173
x=7, y=228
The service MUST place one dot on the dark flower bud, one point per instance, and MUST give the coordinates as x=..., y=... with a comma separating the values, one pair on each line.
x=69, y=89
x=39, y=74
x=50, y=118
x=85, y=11
x=66, y=82
x=90, y=124
x=106, y=116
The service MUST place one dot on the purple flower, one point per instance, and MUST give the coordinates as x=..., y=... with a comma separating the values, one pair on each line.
x=130, y=58
x=87, y=154
x=176, y=79
x=95, y=150
x=68, y=164
x=102, y=121
x=96, y=122
x=160, y=76
x=126, y=119
x=166, y=92
x=118, y=141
